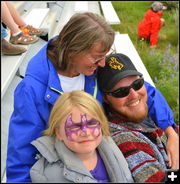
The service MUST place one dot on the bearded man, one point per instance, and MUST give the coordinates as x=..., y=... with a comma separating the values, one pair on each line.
x=137, y=136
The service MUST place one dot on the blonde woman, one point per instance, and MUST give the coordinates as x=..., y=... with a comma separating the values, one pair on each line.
x=76, y=146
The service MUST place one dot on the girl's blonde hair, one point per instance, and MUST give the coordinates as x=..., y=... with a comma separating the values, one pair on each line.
x=84, y=102
x=78, y=36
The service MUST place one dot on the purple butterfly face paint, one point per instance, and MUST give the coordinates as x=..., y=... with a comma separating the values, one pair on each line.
x=73, y=129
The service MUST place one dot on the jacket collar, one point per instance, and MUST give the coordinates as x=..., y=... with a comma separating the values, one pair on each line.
x=74, y=163
x=53, y=150
x=156, y=13
x=147, y=125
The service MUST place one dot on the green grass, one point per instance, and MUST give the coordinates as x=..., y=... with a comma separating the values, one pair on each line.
x=162, y=63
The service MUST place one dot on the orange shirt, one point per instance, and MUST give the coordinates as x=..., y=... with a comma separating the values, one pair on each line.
x=150, y=26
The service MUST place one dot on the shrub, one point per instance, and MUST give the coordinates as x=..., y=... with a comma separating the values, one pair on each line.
x=171, y=4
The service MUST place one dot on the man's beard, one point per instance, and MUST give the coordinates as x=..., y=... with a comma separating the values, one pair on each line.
x=131, y=116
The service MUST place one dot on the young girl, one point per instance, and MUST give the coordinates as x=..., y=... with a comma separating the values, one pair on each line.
x=77, y=146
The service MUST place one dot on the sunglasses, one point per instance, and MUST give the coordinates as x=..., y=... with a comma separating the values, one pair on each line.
x=124, y=91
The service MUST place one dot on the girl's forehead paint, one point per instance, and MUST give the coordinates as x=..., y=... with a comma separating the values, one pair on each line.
x=73, y=128
x=69, y=122
x=83, y=119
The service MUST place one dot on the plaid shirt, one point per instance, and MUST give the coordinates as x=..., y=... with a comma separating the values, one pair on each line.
x=143, y=148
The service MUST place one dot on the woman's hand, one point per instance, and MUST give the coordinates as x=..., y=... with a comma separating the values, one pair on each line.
x=172, y=147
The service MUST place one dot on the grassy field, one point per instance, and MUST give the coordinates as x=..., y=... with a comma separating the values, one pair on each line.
x=162, y=62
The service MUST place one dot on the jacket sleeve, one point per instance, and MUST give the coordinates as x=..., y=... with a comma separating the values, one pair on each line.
x=37, y=172
x=25, y=126
x=141, y=159
x=155, y=27
x=159, y=110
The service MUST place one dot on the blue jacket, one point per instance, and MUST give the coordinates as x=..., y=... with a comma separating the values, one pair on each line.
x=33, y=100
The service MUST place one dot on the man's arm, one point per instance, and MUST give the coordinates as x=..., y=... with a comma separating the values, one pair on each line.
x=162, y=115
x=159, y=110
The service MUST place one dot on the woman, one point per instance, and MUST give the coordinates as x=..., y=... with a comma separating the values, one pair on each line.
x=66, y=63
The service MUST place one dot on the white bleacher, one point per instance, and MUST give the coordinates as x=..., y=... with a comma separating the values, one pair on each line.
x=109, y=12
x=81, y=6
x=54, y=15
x=9, y=67
x=10, y=64
x=37, y=15
x=31, y=52
x=9, y=80
x=19, y=5
x=69, y=10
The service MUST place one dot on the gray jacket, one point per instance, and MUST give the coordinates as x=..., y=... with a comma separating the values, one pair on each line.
x=59, y=164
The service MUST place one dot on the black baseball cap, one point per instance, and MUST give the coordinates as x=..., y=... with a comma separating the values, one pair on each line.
x=117, y=67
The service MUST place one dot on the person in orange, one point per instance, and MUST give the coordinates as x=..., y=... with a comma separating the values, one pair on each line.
x=150, y=26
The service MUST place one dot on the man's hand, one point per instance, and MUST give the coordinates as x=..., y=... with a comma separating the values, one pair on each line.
x=172, y=147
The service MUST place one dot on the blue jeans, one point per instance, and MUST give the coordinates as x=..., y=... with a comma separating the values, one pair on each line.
x=3, y=32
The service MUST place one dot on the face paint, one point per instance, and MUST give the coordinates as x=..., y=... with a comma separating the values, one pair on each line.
x=72, y=128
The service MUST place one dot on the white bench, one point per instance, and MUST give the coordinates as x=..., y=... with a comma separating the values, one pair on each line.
x=72, y=7
x=18, y=4
x=9, y=80
x=9, y=67
x=10, y=64
x=109, y=12
x=4, y=178
x=31, y=52
x=54, y=16
x=81, y=6
x=36, y=16
x=124, y=45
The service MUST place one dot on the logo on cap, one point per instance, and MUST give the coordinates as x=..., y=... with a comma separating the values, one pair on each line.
x=113, y=63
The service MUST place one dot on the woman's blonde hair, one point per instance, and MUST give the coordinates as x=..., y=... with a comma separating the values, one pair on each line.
x=78, y=36
x=81, y=100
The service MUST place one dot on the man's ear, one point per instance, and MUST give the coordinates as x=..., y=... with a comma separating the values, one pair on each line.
x=105, y=99
x=57, y=133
